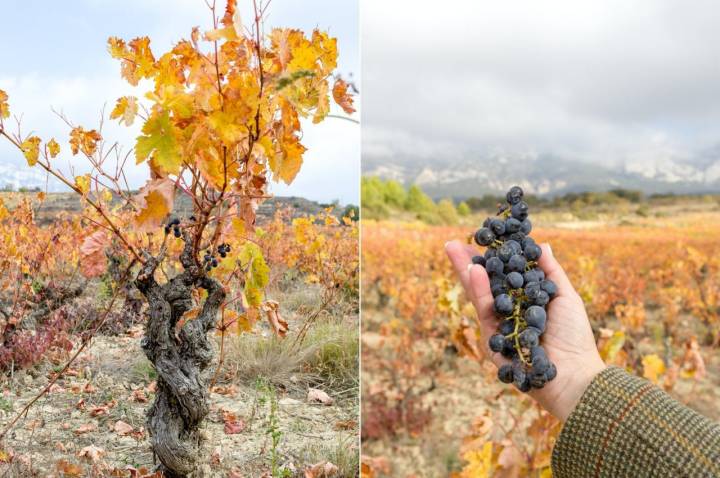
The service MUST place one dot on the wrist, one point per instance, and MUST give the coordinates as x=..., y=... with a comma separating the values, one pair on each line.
x=570, y=385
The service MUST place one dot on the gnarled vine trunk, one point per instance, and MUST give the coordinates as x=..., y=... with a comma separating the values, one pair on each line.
x=181, y=400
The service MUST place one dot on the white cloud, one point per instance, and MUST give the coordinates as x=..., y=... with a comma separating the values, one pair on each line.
x=63, y=78
x=589, y=79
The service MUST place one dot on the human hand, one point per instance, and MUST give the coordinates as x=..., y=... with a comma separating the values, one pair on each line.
x=568, y=338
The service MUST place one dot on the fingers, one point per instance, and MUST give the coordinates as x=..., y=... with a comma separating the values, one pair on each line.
x=461, y=258
x=554, y=271
x=481, y=296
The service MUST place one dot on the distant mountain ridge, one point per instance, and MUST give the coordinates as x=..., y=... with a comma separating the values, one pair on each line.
x=546, y=175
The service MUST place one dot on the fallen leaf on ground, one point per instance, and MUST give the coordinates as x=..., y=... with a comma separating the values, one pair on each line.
x=230, y=390
x=216, y=456
x=233, y=427
x=69, y=469
x=323, y=469
x=88, y=427
x=92, y=453
x=55, y=388
x=318, y=396
x=139, y=396
x=345, y=425
x=235, y=473
x=122, y=428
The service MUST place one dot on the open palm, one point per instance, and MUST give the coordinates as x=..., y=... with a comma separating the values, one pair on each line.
x=568, y=339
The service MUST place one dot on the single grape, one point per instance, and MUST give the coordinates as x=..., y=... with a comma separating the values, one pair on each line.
x=514, y=195
x=214, y=262
x=517, y=263
x=542, y=298
x=551, y=372
x=526, y=226
x=505, y=373
x=532, y=252
x=529, y=337
x=537, y=380
x=504, y=304
x=496, y=343
x=514, y=246
x=223, y=254
x=518, y=237
x=519, y=374
x=484, y=236
x=549, y=287
x=490, y=252
x=535, y=316
x=508, y=350
x=514, y=280
x=504, y=252
x=512, y=225
x=532, y=289
x=507, y=327
x=498, y=289
x=486, y=222
x=176, y=231
x=531, y=276
x=497, y=226
x=526, y=241
x=494, y=266
x=519, y=210
x=480, y=260
x=526, y=386
x=167, y=230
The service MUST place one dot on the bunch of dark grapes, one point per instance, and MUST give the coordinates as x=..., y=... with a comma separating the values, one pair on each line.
x=521, y=293
x=174, y=224
x=210, y=261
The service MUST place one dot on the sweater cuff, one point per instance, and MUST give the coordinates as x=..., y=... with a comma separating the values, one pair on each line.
x=588, y=442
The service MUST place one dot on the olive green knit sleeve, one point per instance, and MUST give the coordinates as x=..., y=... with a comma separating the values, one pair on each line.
x=624, y=426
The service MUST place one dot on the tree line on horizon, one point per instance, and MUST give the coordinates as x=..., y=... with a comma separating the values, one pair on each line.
x=382, y=198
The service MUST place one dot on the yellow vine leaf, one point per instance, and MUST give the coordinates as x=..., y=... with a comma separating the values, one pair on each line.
x=613, y=346
x=4, y=107
x=155, y=201
x=93, y=261
x=31, y=150
x=323, y=106
x=286, y=164
x=342, y=97
x=85, y=141
x=238, y=227
x=653, y=367
x=257, y=275
x=159, y=140
x=53, y=148
x=137, y=60
x=479, y=462
x=126, y=109
x=83, y=183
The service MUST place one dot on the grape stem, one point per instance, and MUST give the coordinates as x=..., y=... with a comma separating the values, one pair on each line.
x=518, y=319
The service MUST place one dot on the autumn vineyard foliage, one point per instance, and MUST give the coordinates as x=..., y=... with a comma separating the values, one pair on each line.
x=652, y=291
x=49, y=306
x=220, y=119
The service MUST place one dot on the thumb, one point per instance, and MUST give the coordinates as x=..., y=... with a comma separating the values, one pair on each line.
x=554, y=271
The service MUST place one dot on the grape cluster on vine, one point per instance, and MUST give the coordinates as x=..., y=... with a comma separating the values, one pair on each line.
x=521, y=293
x=174, y=224
x=210, y=261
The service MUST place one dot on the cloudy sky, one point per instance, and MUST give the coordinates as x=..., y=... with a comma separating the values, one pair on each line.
x=53, y=54
x=604, y=80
